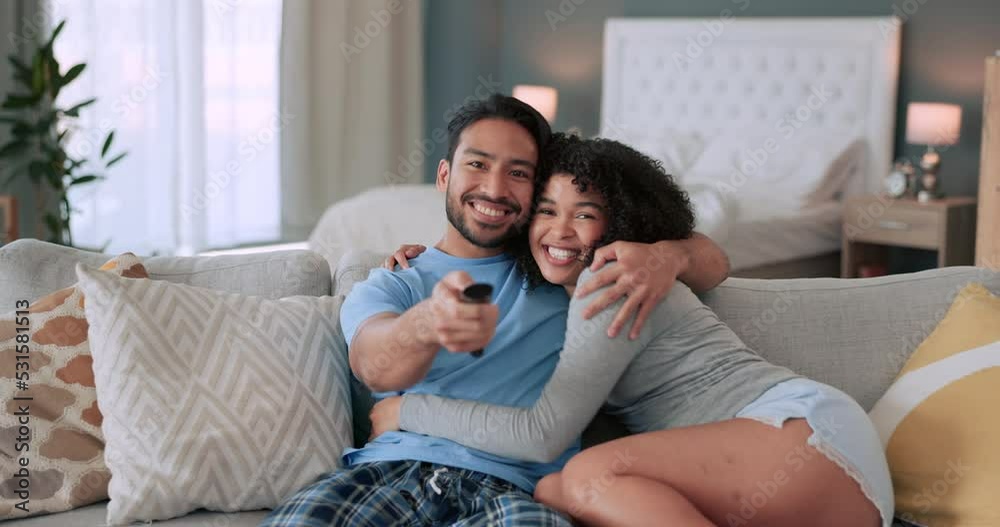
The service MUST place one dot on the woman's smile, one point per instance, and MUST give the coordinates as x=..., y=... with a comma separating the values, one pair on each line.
x=566, y=228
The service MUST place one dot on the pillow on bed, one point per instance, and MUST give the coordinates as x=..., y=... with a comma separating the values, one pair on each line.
x=714, y=210
x=767, y=171
x=677, y=150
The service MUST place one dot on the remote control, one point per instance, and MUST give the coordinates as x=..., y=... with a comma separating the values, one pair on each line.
x=477, y=294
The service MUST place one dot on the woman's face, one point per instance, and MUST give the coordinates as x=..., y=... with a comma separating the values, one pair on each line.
x=565, y=229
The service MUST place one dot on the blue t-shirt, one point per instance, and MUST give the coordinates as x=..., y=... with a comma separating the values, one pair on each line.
x=512, y=371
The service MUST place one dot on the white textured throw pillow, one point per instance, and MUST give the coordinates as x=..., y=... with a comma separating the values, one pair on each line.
x=212, y=399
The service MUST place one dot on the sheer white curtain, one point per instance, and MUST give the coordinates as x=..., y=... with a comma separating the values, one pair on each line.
x=191, y=86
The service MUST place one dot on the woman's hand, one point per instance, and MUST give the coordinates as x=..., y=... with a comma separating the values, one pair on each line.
x=385, y=416
x=402, y=256
x=645, y=273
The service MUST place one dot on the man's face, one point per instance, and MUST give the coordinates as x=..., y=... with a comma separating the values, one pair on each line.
x=489, y=182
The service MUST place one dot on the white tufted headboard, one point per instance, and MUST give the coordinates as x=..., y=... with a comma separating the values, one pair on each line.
x=706, y=75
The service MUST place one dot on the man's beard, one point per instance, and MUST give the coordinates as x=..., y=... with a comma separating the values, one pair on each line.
x=455, y=211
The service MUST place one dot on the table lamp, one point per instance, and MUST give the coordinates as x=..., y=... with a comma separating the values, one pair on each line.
x=932, y=124
x=541, y=98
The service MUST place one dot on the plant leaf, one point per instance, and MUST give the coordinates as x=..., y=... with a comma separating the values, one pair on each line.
x=53, y=224
x=54, y=177
x=10, y=177
x=38, y=75
x=36, y=169
x=84, y=179
x=117, y=158
x=55, y=33
x=14, y=147
x=22, y=130
x=44, y=123
x=75, y=110
x=72, y=74
x=107, y=144
x=52, y=78
x=21, y=70
x=17, y=101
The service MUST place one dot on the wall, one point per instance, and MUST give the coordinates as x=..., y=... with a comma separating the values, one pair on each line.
x=462, y=46
x=944, y=44
x=12, y=39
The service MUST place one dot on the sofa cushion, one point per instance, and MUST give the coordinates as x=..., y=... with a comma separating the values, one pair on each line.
x=938, y=421
x=65, y=448
x=212, y=399
x=32, y=268
x=95, y=516
x=380, y=220
x=852, y=334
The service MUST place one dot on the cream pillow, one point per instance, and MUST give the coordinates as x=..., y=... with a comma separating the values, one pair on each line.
x=939, y=421
x=213, y=399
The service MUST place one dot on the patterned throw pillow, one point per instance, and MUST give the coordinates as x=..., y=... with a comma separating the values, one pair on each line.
x=215, y=400
x=65, y=448
x=938, y=420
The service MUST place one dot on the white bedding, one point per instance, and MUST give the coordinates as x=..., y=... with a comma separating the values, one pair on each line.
x=762, y=240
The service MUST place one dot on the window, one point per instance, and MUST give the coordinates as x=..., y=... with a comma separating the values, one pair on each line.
x=191, y=87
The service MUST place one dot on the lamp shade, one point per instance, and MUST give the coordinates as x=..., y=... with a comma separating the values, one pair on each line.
x=541, y=98
x=932, y=123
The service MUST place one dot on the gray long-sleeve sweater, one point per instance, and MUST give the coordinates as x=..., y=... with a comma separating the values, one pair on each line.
x=687, y=367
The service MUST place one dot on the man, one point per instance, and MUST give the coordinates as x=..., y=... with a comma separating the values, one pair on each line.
x=409, y=331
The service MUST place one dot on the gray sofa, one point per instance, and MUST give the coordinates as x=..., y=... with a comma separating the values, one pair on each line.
x=853, y=334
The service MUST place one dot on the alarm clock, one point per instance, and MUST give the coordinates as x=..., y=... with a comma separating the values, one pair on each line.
x=896, y=183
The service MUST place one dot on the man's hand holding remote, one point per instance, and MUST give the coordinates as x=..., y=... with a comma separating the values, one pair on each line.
x=456, y=325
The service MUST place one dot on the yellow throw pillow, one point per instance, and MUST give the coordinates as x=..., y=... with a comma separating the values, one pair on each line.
x=940, y=423
x=65, y=444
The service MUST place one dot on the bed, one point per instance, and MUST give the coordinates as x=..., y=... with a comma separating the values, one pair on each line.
x=810, y=85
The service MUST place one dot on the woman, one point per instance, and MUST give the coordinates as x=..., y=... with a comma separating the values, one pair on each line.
x=721, y=436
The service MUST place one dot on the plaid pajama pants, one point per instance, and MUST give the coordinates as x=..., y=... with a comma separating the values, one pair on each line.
x=410, y=494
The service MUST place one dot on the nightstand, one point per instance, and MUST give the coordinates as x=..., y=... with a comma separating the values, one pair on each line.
x=874, y=223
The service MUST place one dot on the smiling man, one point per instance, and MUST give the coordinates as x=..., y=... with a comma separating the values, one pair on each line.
x=409, y=332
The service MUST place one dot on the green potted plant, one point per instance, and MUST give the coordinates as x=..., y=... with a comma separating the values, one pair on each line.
x=40, y=132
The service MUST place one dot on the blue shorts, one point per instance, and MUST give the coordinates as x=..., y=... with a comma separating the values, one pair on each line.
x=842, y=432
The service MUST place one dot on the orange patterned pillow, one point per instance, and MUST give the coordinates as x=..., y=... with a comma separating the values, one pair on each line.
x=65, y=450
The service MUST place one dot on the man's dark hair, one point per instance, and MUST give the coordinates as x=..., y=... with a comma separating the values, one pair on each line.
x=644, y=203
x=498, y=106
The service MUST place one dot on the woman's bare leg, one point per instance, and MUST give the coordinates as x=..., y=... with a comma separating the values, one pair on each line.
x=650, y=503
x=736, y=472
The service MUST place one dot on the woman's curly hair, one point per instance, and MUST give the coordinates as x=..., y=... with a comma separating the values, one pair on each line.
x=644, y=203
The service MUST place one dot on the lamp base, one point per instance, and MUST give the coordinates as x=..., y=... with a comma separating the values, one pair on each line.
x=928, y=195
x=931, y=164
